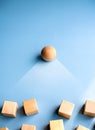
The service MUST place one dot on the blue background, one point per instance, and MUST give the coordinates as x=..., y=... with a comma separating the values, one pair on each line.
x=26, y=26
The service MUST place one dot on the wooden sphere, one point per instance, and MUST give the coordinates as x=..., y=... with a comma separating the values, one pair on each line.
x=48, y=53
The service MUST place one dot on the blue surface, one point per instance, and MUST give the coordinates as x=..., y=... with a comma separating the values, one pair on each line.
x=26, y=26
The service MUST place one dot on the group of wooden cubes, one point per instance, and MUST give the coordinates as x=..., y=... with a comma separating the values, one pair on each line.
x=59, y=125
x=24, y=127
x=10, y=108
x=30, y=107
x=66, y=109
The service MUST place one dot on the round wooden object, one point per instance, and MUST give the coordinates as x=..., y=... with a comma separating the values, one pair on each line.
x=48, y=53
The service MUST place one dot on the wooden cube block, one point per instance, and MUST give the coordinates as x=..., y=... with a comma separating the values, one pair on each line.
x=80, y=127
x=89, y=108
x=66, y=109
x=30, y=107
x=56, y=125
x=9, y=108
x=5, y=128
x=28, y=127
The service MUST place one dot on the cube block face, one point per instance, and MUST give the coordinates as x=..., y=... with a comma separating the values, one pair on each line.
x=66, y=109
x=28, y=127
x=9, y=108
x=80, y=127
x=5, y=128
x=30, y=107
x=89, y=108
x=56, y=125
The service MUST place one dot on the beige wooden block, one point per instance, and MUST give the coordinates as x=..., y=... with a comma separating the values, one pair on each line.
x=80, y=127
x=66, y=109
x=9, y=108
x=89, y=108
x=56, y=125
x=5, y=128
x=30, y=107
x=28, y=127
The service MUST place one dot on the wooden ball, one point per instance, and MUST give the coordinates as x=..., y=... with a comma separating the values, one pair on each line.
x=48, y=53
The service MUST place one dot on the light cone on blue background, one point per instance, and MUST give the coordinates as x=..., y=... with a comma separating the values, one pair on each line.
x=49, y=83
